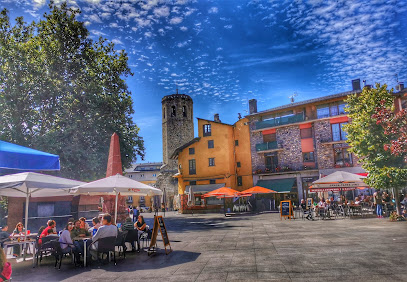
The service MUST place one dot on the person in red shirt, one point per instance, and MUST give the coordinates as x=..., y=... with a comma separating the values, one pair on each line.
x=50, y=229
x=5, y=267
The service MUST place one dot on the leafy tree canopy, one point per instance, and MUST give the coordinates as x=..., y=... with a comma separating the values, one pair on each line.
x=369, y=140
x=63, y=93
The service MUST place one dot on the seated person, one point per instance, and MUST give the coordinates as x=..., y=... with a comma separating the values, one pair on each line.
x=84, y=224
x=66, y=242
x=96, y=225
x=141, y=226
x=106, y=230
x=19, y=230
x=77, y=231
x=357, y=201
x=4, y=233
x=5, y=267
x=50, y=229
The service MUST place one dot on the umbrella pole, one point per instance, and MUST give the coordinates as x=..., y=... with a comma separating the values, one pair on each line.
x=224, y=204
x=27, y=200
x=115, y=210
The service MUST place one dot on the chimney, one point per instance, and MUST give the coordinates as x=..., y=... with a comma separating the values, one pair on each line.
x=400, y=86
x=252, y=106
x=356, y=84
x=216, y=118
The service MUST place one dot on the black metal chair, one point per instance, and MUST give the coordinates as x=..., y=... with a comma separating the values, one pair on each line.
x=45, y=248
x=132, y=236
x=121, y=242
x=59, y=253
x=105, y=245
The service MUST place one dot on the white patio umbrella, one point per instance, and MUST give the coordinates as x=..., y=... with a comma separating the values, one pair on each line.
x=113, y=185
x=31, y=184
x=338, y=180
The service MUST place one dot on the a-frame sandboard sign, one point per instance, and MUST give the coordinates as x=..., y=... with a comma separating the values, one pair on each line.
x=159, y=224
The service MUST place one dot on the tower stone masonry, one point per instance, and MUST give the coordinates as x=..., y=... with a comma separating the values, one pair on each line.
x=177, y=129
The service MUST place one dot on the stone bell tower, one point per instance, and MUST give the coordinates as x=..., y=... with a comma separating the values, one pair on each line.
x=177, y=129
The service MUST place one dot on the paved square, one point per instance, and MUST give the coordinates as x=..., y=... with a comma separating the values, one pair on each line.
x=253, y=247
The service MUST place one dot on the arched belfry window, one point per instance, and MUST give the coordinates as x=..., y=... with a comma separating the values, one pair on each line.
x=184, y=111
x=173, y=111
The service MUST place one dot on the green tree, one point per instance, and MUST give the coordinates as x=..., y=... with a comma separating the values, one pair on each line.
x=368, y=140
x=64, y=93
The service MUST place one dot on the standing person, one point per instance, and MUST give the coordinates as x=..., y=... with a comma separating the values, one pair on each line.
x=378, y=202
x=4, y=233
x=5, y=267
x=136, y=213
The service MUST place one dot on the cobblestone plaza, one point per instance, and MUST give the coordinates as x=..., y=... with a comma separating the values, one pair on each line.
x=253, y=247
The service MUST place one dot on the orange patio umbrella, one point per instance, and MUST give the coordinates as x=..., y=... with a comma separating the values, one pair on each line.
x=256, y=190
x=224, y=192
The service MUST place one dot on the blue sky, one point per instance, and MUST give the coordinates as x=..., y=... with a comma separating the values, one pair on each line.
x=223, y=53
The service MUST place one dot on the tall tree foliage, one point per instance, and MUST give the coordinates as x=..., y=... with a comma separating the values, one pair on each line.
x=63, y=93
x=395, y=126
x=368, y=139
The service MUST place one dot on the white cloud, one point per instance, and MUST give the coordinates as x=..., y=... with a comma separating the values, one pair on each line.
x=117, y=41
x=94, y=18
x=213, y=10
x=148, y=34
x=183, y=28
x=134, y=28
x=163, y=11
x=114, y=25
x=97, y=32
x=176, y=20
x=39, y=3
x=229, y=26
x=143, y=22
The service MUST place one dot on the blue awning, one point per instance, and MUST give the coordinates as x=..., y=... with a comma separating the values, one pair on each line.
x=15, y=157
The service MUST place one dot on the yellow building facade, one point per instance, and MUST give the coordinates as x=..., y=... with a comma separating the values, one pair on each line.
x=219, y=156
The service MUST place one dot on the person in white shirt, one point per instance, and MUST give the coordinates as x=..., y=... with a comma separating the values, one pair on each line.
x=106, y=230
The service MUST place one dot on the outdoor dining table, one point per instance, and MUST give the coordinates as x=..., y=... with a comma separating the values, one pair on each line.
x=29, y=240
x=355, y=209
x=84, y=239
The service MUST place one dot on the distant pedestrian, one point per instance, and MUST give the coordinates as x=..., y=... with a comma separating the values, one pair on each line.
x=378, y=201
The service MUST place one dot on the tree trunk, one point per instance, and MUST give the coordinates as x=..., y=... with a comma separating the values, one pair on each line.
x=396, y=198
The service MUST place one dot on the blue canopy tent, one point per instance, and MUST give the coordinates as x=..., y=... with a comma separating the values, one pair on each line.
x=18, y=158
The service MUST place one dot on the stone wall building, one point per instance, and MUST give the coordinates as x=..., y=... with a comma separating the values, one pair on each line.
x=294, y=144
x=177, y=129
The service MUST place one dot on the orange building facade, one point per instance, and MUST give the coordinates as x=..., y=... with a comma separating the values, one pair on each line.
x=218, y=157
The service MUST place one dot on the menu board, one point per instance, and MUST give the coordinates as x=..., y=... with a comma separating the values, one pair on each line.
x=285, y=209
x=159, y=224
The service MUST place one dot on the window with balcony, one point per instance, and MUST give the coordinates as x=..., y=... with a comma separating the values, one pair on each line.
x=331, y=110
x=192, y=167
x=211, y=144
x=207, y=130
x=271, y=162
x=211, y=161
x=192, y=182
x=192, y=151
x=308, y=157
x=342, y=157
x=338, y=134
x=212, y=181
x=238, y=164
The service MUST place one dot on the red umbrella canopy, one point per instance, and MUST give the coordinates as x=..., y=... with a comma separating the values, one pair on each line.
x=224, y=192
x=257, y=190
